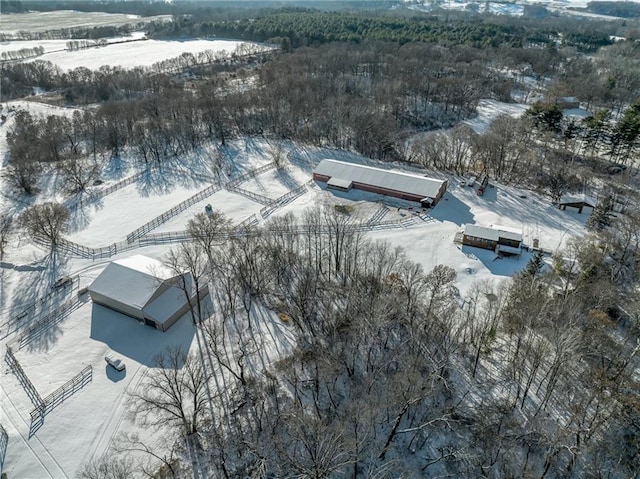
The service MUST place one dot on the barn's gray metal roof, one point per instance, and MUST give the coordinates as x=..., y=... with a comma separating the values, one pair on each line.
x=492, y=234
x=144, y=285
x=392, y=180
x=132, y=281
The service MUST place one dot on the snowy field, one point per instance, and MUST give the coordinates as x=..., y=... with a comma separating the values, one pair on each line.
x=58, y=45
x=56, y=20
x=515, y=8
x=489, y=110
x=114, y=217
x=511, y=9
x=88, y=422
x=230, y=204
x=137, y=54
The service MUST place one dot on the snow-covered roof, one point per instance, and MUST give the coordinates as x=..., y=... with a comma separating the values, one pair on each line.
x=146, y=265
x=493, y=234
x=132, y=281
x=578, y=113
x=392, y=180
x=509, y=249
x=578, y=198
x=166, y=305
x=339, y=182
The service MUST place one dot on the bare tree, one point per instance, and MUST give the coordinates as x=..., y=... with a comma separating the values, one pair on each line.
x=207, y=230
x=6, y=223
x=437, y=282
x=278, y=155
x=47, y=220
x=24, y=176
x=174, y=393
x=107, y=467
x=188, y=263
x=233, y=362
x=77, y=175
x=131, y=443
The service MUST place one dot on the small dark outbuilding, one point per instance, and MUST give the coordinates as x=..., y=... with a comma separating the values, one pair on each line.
x=577, y=203
x=496, y=239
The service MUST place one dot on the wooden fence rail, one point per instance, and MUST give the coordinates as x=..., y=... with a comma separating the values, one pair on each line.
x=58, y=396
x=75, y=202
x=258, y=198
x=28, y=386
x=283, y=200
x=176, y=210
x=30, y=313
x=251, y=174
x=39, y=327
x=4, y=441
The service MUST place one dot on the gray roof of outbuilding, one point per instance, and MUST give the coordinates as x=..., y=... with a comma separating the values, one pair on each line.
x=392, y=180
x=578, y=198
x=339, y=182
x=492, y=234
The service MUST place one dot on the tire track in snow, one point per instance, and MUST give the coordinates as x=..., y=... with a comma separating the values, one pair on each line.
x=36, y=455
x=109, y=428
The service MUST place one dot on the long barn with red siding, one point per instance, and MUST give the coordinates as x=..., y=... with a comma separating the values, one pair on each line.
x=343, y=176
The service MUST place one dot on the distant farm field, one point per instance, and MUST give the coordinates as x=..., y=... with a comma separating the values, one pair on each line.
x=135, y=54
x=43, y=21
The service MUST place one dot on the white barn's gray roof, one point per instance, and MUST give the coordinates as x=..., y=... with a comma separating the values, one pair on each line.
x=141, y=287
x=132, y=280
x=492, y=234
x=392, y=180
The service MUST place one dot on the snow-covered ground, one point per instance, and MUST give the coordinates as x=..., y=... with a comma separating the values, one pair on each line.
x=489, y=110
x=115, y=216
x=58, y=45
x=87, y=422
x=137, y=54
x=496, y=8
x=512, y=8
x=230, y=204
x=42, y=21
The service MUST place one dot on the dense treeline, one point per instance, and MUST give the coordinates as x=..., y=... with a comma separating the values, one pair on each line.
x=312, y=28
x=210, y=8
x=353, y=97
x=615, y=9
x=81, y=33
x=362, y=97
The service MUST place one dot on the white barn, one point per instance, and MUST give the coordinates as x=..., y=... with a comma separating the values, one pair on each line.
x=145, y=289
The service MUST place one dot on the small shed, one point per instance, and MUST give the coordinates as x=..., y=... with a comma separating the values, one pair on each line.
x=144, y=289
x=492, y=238
x=568, y=102
x=339, y=184
x=577, y=203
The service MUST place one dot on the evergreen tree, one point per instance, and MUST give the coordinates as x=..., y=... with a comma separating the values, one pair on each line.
x=534, y=266
x=546, y=116
x=601, y=216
